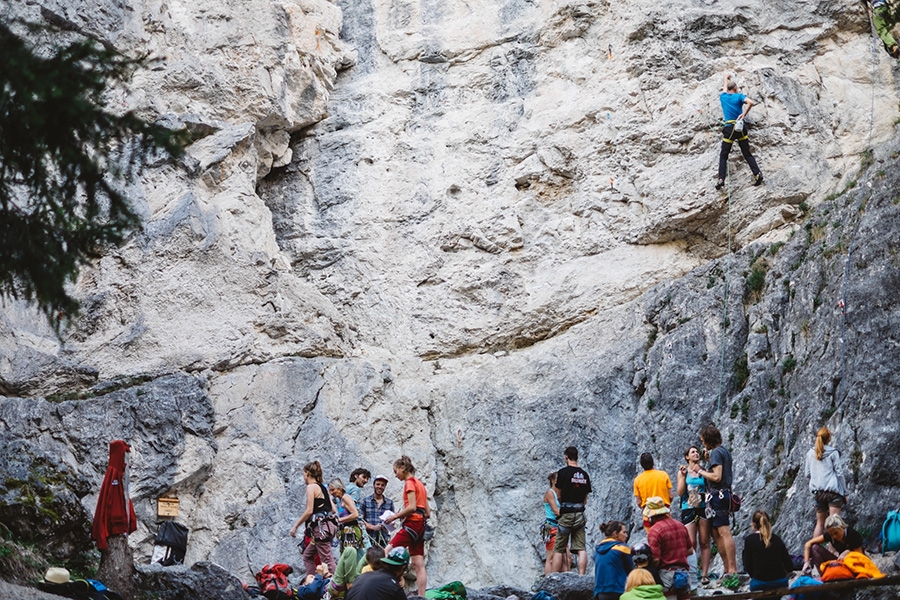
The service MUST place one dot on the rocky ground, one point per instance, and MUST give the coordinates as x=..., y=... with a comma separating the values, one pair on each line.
x=473, y=233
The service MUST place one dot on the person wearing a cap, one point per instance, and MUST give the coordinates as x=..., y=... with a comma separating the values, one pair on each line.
x=670, y=545
x=372, y=507
x=383, y=584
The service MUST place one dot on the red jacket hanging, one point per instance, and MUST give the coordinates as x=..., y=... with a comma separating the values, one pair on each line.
x=115, y=512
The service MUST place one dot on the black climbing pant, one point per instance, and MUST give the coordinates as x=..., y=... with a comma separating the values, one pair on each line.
x=727, y=141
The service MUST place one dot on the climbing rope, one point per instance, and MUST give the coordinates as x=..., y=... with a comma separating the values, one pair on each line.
x=858, y=220
x=712, y=127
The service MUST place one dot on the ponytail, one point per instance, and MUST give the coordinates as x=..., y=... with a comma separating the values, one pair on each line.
x=315, y=470
x=611, y=528
x=761, y=520
x=405, y=463
x=823, y=436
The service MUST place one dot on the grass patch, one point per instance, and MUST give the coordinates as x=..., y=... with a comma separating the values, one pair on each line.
x=788, y=364
x=741, y=373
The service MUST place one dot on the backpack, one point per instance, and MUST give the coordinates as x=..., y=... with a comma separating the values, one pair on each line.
x=170, y=544
x=273, y=582
x=80, y=589
x=890, y=533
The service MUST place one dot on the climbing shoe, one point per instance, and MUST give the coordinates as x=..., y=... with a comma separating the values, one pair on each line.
x=720, y=184
x=757, y=179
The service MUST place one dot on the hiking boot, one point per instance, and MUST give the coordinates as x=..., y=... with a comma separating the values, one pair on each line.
x=757, y=179
x=720, y=183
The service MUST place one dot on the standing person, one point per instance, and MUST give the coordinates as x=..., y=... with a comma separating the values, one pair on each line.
x=826, y=479
x=765, y=556
x=383, y=583
x=415, y=513
x=735, y=107
x=372, y=508
x=358, y=480
x=612, y=562
x=718, y=478
x=319, y=509
x=670, y=546
x=351, y=534
x=551, y=526
x=881, y=17
x=573, y=485
x=692, y=489
x=651, y=483
x=839, y=536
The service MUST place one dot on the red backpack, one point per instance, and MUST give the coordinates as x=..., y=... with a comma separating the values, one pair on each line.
x=273, y=582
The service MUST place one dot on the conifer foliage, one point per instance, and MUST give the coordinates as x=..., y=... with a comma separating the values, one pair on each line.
x=63, y=159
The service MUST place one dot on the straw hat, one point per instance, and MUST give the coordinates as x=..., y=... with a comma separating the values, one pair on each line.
x=56, y=575
x=655, y=506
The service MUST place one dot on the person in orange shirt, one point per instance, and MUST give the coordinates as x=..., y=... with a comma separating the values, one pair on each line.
x=414, y=515
x=652, y=482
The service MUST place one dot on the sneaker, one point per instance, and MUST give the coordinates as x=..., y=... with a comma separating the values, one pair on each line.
x=757, y=179
x=720, y=184
x=704, y=580
x=731, y=581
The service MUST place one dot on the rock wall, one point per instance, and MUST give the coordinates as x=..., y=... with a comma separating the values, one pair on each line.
x=474, y=233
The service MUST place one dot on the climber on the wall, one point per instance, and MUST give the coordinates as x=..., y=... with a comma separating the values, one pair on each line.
x=735, y=107
x=883, y=19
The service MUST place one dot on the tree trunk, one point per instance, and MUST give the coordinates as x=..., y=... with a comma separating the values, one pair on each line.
x=117, y=567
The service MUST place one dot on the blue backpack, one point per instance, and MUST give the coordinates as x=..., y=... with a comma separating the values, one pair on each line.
x=890, y=533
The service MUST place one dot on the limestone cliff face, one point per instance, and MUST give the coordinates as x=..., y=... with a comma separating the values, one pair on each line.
x=475, y=233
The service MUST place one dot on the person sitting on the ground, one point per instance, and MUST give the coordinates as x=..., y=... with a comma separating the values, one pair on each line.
x=640, y=585
x=612, y=562
x=765, y=556
x=344, y=575
x=670, y=545
x=839, y=535
x=372, y=560
x=313, y=587
x=883, y=20
x=651, y=483
x=358, y=480
x=384, y=583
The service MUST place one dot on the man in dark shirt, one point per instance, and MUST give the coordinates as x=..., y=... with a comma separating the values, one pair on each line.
x=573, y=485
x=383, y=584
x=718, y=496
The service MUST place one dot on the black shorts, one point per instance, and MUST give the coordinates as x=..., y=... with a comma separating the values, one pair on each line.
x=692, y=515
x=825, y=499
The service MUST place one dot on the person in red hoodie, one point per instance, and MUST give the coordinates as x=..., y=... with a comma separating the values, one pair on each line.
x=115, y=512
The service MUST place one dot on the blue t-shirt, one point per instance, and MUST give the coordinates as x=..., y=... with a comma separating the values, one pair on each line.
x=732, y=105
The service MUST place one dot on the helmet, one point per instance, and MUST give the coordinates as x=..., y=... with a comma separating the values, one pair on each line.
x=398, y=556
x=641, y=554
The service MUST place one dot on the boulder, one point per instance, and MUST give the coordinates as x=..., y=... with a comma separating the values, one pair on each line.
x=568, y=586
x=201, y=581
